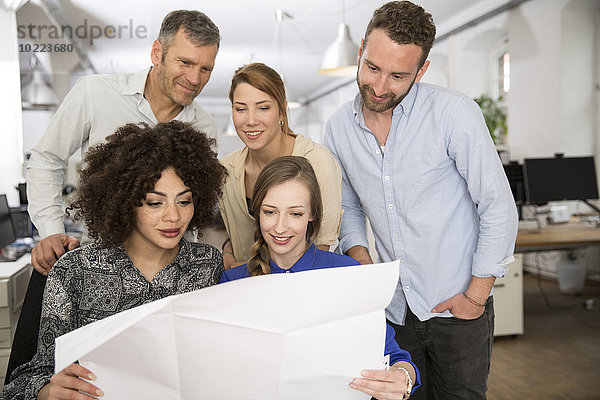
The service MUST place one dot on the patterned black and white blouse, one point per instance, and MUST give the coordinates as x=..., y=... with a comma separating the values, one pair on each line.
x=91, y=283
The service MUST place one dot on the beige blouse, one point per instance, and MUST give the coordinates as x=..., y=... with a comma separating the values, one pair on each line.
x=234, y=210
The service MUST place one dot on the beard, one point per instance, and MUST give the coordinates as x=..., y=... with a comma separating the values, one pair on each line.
x=169, y=88
x=392, y=99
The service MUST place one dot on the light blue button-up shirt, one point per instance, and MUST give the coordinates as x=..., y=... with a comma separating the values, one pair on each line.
x=437, y=197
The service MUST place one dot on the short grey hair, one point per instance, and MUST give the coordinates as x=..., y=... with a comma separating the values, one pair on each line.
x=197, y=27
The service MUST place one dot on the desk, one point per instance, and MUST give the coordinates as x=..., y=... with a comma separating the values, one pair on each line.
x=558, y=237
x=14, y=278
x=508, y=291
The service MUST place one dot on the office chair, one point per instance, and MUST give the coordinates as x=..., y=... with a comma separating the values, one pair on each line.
x=24, y=345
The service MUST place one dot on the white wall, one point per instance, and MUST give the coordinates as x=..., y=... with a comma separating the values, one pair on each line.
x=11, y=158
x=551, y=108
x=577, y=76
x=310, y=119
x=35, y=123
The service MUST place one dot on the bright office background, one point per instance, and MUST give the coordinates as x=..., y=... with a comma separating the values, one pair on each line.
x=542, y=56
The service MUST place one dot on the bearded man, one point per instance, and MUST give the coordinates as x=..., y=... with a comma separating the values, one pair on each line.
x=419, y=162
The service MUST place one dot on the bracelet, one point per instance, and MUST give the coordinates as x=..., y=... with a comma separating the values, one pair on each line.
x=224, y=243
x=409, y=383
x=473, y=301
x=228, y=252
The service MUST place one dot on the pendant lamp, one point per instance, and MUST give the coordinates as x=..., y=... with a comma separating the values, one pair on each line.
x=340, y=58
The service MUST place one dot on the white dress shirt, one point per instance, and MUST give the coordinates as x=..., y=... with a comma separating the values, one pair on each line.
x=95, y=107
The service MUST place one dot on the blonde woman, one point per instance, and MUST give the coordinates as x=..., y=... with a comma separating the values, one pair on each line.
x=259, y=112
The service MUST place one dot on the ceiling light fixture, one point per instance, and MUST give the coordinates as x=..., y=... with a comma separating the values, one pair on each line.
x=37, y=92
x=340, y=58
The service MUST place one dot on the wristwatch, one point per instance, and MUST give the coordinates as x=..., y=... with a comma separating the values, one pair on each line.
x=409, y=384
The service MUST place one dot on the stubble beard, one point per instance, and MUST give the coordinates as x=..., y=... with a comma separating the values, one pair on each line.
x=169, y=89
x=393, y=100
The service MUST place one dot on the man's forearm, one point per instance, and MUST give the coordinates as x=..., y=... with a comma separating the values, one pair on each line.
x=360, y=254
x=479, y=289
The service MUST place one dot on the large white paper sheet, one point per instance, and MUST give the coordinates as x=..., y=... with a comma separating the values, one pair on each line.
x=283, y=336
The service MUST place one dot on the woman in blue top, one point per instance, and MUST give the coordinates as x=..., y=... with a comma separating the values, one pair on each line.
x=288, y=209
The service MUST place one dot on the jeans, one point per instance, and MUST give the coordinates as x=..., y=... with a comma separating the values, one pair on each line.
x=453, y=355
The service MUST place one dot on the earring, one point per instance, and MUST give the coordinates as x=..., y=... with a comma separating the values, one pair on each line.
x=281, y=124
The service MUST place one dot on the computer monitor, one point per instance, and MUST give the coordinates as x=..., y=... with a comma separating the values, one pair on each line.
x=7, y=230
x=22, y=193
x=559, y=178
x=514, y=174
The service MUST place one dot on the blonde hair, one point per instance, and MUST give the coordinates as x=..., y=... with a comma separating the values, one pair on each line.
x=278, y=171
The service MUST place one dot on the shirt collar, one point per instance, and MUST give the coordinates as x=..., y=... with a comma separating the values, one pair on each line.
x=137, y=82
x=188, y=114
x=305, y=262
x=136, y=86
x=182, y=260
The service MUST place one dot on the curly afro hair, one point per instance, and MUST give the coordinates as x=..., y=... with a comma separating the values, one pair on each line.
x=116, y=176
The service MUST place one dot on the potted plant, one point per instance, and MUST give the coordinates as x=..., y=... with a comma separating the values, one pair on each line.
x=494, y=114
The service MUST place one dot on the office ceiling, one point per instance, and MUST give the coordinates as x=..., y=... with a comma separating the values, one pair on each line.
x=249, y=30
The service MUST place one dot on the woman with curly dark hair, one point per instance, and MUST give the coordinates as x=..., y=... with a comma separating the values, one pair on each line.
x=139, y=193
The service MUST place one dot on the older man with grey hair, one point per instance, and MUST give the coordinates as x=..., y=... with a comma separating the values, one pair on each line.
x=183, y=57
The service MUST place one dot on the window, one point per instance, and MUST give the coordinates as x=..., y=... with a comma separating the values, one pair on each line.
x=501, y=88
x=502, y=75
